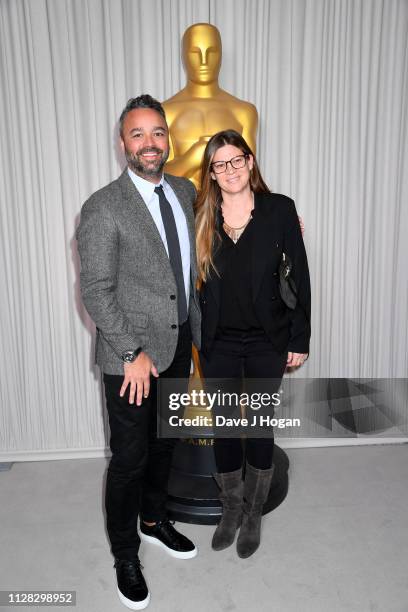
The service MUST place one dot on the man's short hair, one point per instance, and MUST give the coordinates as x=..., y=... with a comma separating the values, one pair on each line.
x=143, y=101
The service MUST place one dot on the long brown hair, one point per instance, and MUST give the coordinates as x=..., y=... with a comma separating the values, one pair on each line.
x=209, y=198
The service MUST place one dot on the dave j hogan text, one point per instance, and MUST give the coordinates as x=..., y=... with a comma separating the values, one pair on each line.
x=257, y=420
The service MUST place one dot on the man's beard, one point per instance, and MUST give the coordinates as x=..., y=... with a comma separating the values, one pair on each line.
x=143, y=167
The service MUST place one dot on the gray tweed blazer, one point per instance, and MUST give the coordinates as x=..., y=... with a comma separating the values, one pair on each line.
x=126, y=276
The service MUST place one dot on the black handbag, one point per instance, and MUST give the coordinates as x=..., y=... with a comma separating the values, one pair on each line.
x=287, y=287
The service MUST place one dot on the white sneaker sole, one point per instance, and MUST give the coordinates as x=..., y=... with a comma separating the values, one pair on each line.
x=190, y=554
x=134, y=605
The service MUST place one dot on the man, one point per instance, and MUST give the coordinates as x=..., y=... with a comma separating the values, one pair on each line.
x=138, y=273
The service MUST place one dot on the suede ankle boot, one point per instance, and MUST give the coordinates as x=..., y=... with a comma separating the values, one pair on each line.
x=256, y=488
x=231, y=490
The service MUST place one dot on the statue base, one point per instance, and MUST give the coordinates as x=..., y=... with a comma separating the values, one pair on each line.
x=193, y=493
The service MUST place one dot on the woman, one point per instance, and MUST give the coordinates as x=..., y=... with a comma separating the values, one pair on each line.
x=243, y=233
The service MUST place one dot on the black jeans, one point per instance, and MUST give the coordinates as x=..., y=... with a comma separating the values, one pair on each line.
x=246, y=355
x=140, y=465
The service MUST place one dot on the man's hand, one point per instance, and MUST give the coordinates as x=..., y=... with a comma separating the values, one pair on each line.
x=137, y=375
x=296, y=359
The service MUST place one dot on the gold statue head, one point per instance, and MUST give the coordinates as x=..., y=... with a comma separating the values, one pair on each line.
x=202, y=52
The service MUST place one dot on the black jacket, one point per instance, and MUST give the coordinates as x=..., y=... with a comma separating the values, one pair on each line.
x=277, y=231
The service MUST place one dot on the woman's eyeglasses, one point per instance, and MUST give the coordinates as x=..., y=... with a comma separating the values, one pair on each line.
x=236, y=162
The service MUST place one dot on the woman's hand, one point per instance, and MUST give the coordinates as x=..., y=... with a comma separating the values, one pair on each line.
x=296, y=359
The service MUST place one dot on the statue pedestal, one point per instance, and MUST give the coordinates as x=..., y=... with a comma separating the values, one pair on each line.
x=193, y=493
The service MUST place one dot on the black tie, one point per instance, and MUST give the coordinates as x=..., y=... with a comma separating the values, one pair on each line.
x=173, y=245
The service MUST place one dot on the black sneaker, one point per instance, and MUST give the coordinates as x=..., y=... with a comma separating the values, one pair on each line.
x=132, y=588
x=163, y=534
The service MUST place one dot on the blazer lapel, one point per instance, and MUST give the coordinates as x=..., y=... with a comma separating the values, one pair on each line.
x=263, y=240
x=139, y=215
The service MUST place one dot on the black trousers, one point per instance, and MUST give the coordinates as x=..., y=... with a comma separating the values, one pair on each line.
x=235, y=357
x=140, y=465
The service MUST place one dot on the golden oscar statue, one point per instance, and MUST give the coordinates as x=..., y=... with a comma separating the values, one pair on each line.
x=202, y=108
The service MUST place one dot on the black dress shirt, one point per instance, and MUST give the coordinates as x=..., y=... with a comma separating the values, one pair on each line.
x=237, y=312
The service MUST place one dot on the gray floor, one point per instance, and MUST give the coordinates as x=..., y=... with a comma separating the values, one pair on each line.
x=338, y=542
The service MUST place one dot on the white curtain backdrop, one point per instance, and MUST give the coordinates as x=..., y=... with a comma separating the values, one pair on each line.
x=329, y=79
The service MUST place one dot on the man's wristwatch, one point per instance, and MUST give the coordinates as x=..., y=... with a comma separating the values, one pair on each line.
x=130, y=356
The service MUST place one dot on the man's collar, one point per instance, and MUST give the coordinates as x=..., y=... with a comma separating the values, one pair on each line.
x=144, y=187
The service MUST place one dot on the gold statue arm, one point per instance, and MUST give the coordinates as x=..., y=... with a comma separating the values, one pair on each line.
x=188, y=163
x=249, y=120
